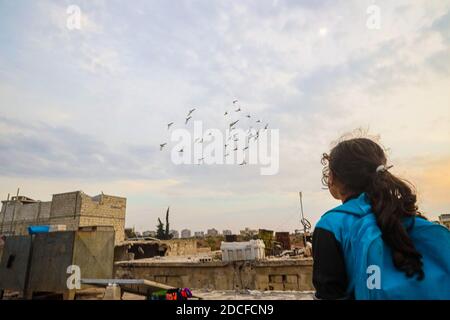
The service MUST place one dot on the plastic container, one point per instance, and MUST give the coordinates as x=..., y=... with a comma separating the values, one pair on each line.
x=243, y=251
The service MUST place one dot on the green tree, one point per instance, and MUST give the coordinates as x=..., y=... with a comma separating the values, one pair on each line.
x=163, y=232
x=167, y=233
x=160, y=234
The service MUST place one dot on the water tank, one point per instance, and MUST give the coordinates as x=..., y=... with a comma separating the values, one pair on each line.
x=243, y=251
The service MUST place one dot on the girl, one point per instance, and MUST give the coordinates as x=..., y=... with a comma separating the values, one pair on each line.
x=376, y=245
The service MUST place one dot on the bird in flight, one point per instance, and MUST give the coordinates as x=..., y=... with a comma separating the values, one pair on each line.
x=237, y=110
x=233, y=123
x=258, y=121
x=243, y=163
x=266, y=126
x=245, y=148
x=235, y=149
x=187, y=119
x=161, y=146
x=235, y=101
x=181, y=150
x=169, y=125
x=190, y=112
x=248, y=116
x=226, y=112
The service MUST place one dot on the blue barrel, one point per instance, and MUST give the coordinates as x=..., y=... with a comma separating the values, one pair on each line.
x=38, y=229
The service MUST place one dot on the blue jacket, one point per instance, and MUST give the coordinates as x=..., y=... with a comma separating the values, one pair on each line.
x=368, y=260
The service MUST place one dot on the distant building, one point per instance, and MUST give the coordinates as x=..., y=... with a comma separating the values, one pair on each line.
x=151, y=234
x=185, y=233
x=212, y=233
x=227, y=232
x=444, y=219
x=174, y=234
x=247, y=232
x=199, y=234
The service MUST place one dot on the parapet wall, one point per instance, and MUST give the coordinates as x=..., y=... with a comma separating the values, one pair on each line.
x=181, y=247
x=283, y=275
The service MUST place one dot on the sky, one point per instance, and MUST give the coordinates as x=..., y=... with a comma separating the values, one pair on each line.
x=86, y=109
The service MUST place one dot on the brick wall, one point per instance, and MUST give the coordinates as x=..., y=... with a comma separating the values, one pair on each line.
x=104, y=210
x=179, y=247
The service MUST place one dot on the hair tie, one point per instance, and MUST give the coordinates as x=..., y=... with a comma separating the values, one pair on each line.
x=382, y=168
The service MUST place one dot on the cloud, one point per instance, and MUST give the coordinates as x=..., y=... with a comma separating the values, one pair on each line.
x=40, y=150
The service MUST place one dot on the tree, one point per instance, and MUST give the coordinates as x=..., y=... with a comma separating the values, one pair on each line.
x=167, y=233
x=160, y=234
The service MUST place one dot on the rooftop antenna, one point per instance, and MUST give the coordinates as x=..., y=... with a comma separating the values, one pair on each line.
x=305, y=222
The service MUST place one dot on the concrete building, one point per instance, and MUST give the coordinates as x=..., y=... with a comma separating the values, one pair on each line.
x=444, y=219
x=175, y=234
x=199, y=234
x=227, y=232
x=149, y=233
x=247, y=232
x=72, y=209
x=212, y=232
x=185, y=233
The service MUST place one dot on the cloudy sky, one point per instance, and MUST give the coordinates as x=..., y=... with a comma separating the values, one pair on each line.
x=87, y=109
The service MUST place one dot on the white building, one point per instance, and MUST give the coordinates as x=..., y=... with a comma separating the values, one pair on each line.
x=149, y=233
x=185, y=233
x=174, y=234
x=199, y=234
x=212, y=233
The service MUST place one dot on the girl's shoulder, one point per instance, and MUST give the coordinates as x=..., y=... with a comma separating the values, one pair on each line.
x=340, y=219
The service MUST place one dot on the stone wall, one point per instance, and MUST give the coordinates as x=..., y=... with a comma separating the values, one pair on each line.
x=254, y=275
x=66, y=204
x=16, y=216
x=181, y=247
x=104, y=210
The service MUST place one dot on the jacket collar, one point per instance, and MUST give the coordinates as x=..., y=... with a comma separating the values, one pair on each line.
x=358, y=206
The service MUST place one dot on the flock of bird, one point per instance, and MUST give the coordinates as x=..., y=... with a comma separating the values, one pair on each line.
x=251, y=133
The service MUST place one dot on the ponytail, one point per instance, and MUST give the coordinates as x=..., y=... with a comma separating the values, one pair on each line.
x=392, y=199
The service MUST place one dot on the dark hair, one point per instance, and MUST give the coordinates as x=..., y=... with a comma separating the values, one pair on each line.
x=354, y=164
